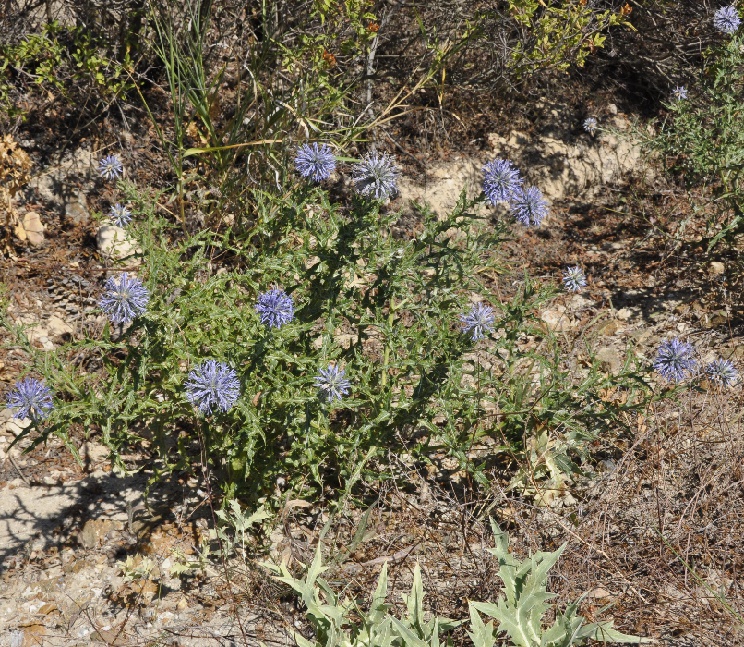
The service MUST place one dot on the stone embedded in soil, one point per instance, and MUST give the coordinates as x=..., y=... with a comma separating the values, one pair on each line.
x=114, y=242
x=76, y=208
x=716, y=268
x=94, y=531
x=609, y=359
x=33, y=227
x=557, y=319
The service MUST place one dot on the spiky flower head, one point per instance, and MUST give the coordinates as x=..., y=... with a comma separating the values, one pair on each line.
x=679, y=93
x=376, y=176
x=332, y=383
x=211, y=385
x=315, y=162
x=31, y=398
x=275, y=307
x=726, y=19
x=574, y=279
x=528, y=206
x=590, y=125
x=501, y=179
x=120, y=215
x=125, y=299
x=674, y=360
x=110, y=167
x=722, y=372
x=478, y=321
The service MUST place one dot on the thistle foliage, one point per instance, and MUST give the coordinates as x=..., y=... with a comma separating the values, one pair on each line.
x=339, y=621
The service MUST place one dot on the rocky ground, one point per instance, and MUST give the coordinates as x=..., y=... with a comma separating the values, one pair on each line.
x=656, y=535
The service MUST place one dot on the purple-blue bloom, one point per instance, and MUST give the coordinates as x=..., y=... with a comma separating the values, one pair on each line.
x=110, y=167
x=376, y=176
x=124, y=300
x=479, y=321
x=275, y=307
x=211, y=385
x=332, y=383
x=528, y=206
x=590, y=125
x=680, y=92
x=726, y=19
x=32, y=399
x=574, y=279
x=674, y=360
x=722, y=372
x=120, y=215
x=315, y=162
x=501, y=179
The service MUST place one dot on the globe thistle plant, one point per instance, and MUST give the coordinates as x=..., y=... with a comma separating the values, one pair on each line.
x=212, y=385
x=528, y=206
x=501, y=179
x=376, y=176
x=332, y=383
x=674, y=360
x=574, y=279
x=275, y=308
x=478, y=321
x=120, y=215
x=679, y=93
x=722, y=372
x=31, y=398
x=124, y=300
x=110, y=167
x=315, y=162
x=590, y=125
x=726, y=19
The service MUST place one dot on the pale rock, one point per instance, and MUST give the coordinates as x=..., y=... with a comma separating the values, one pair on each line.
x=556, y=318
x=94, y=531
x=609, y=359
x=11, y=425
x=56, y=327
x=76, y=208
x=114, y=242
x=94, y=452
x=716, y=268
x=612, y=109
x=34, y=228
x=579, y=302
x=624, y=314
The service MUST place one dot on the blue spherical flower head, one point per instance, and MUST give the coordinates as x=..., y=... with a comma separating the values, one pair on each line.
x=110, y=167
x=726, y=19
x=376, y=176
x=500, y=180
x=722, y=372
x=574, y=279
x=275, y=307
x=125, y=299
x=590, y=125
x=315, y=162
x=332, y=383
x=674, y=360
x=679, y=93
x=212, y=385
x=528, y=206
x=31, y=398
x=120, y=215
x=478, y=321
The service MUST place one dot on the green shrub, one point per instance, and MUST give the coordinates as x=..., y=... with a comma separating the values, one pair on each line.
x=67, y=63
x=383, y=307
x=703, y=140
x=560, y=34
